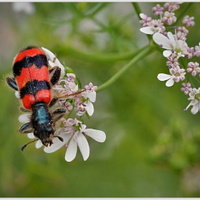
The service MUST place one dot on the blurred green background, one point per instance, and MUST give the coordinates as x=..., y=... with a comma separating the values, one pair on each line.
x=152, y=147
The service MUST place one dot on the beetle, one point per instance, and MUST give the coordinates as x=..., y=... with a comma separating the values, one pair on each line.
x=33, y=79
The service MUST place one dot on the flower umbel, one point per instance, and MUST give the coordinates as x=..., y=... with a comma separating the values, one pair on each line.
x=172, y=38
x=69, y=133
x=172, y=44
x=194, y=97
x=74, y=135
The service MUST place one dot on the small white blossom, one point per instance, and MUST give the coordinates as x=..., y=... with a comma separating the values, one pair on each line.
x=194, y=97
x=171, y=43
x=186, y=88
x=144, y=19
x=153, y=26
x=166, y=77
x=66, y=89
x=181, y=33
x=197, y=50
x=177, y=75
x=85, y=102
x=82, y=99
x=169, y=18
x=68, y=84
x=172, y=61
x=74, y=138
x=191, y=52
x=172, y=6
x=188, y=21
x=85, y=99
x=157, y=10
x=193, y=68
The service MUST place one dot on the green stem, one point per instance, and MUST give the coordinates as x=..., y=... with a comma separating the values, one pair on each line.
x=138, y=11
x=188, y=5
x=141, y=54
x=94, y=57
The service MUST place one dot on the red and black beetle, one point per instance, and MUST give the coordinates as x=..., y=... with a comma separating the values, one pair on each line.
x=33, y=81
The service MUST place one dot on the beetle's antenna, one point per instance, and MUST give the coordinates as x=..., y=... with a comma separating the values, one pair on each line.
x=23, y=147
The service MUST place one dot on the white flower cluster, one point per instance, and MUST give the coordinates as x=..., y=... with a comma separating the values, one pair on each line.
x=73, y=133
x=76, y=101
x=176, y=49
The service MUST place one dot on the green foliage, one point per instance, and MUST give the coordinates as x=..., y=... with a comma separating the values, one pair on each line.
x=151, y=143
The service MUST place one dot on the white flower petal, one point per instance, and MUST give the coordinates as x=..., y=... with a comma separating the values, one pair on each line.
x=167, y=53
x=58, y=64
x=31, y=135
x=83, y=146
x=170, y=82
x=38, y=144
x=89, y=108
x=57, y=144
x=97, y=135
x=92, y=96
x=195, y=109
x=71, y=151
x=24, y=118
x=163, y=77
x=82, y=128
x=147, y=30
x=51, y=64
x=162, y=40
x=75, y=89
x=142, y=15
x=53, y=61
x=17, y=94
x=182, y=45
x=49, y=54
x=171, y=38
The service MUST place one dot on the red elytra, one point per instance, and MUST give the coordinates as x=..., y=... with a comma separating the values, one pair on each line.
x=28, y=52
x=31, y=73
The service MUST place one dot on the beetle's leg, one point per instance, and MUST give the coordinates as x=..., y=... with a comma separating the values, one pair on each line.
x=26, y=128
x=59, y=111
x=53, y=101
x=57, y=114
x=12, y=83
x=55, y=76
x=24, y=109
